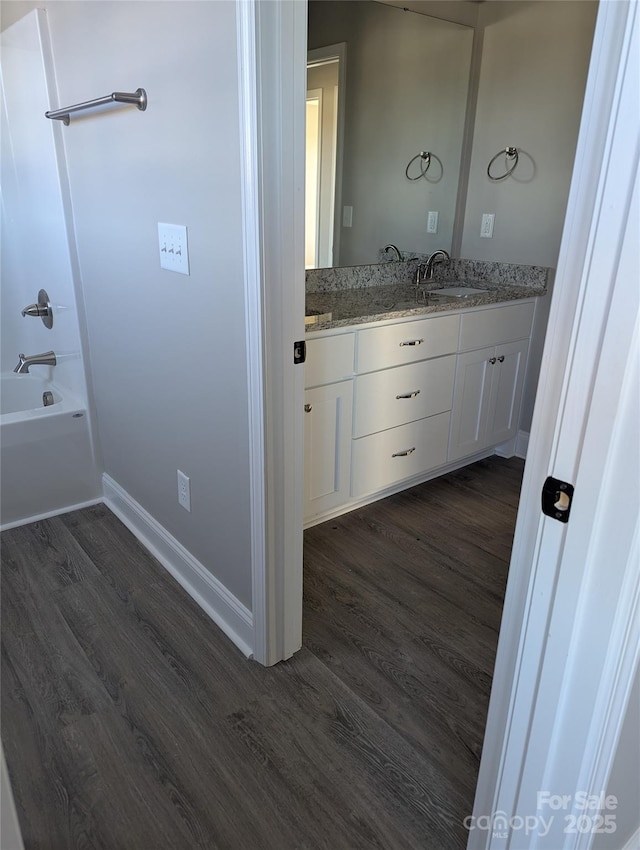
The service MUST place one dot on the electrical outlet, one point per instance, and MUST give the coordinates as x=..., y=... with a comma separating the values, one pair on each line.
x=184, y=491
x=486, y=228
x=432, y=221
x=173, y=247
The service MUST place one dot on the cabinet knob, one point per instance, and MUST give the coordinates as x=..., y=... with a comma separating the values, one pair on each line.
x=404, y=453
x=492, y=360
x=501, y=358
x=308, y=408
x=409, y=395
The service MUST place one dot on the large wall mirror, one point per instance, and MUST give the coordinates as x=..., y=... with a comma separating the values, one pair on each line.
x=406, y=86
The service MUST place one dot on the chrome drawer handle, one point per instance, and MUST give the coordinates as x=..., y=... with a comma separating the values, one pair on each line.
x=501, y=358
x=409, y=395
x=412, y=342
x=404, y=453
x=492, y=360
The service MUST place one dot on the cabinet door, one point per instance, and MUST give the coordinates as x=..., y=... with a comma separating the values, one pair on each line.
x=327, y=447
x=471, y=399
x=506, y=391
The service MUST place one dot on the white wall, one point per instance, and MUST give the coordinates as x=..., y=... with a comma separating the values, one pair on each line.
x=406, y=91
x=534, y=64
x=167, y=352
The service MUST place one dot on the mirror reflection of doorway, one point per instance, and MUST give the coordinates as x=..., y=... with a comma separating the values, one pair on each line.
x=321, y=162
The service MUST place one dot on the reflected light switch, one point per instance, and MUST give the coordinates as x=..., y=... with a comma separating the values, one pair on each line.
x=347, y=216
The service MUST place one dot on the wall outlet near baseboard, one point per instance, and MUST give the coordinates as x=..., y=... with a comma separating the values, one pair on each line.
x=184, y=491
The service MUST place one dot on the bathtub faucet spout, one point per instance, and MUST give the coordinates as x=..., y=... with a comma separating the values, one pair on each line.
x=46, y=359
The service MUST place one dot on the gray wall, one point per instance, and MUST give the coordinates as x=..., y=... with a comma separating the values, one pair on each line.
x=535, y=58
x=167, y=351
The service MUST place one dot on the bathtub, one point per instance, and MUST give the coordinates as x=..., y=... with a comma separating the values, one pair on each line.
x=46, y=458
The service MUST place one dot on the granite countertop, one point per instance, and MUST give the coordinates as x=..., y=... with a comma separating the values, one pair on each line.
x=353, y=306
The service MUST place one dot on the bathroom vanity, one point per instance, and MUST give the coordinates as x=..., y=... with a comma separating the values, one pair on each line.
x=396, y=398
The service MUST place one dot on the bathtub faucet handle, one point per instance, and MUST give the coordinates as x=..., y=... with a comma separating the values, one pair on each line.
x=41, y=310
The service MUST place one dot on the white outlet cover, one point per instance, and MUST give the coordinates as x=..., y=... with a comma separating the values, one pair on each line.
x=173, y=247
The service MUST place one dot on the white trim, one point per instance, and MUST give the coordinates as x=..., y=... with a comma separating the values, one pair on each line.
x=634, y=842
x=212, y=596
x=281, y=79
x=516, y=447
x=253, y=317
x=316, y=56
x=48, y=514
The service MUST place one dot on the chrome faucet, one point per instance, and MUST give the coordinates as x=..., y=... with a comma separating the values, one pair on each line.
x=391, y=247
x=24, y=363
x=424, y=272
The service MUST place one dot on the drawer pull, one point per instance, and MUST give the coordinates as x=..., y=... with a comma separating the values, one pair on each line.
x=409, y=395
x=492, y=360
x=412, y=342
x=404, y=453
x=501, y=358
x=308, y=408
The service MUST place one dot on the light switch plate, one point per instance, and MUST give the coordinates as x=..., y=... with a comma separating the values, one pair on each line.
x=174, y=250
x=347, y=216
x=432, y=221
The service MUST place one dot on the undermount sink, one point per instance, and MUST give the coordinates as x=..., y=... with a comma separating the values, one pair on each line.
x=457, y=292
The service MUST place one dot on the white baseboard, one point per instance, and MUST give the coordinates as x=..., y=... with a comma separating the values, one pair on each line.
x=50, y=514
x=227, y=612
x=516, y=447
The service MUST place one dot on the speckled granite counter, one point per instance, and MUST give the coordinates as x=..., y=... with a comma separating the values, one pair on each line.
x=401, y=301
x=376, y=293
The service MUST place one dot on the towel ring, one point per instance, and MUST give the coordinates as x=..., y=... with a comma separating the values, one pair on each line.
x=510, y=153
x=425, y=156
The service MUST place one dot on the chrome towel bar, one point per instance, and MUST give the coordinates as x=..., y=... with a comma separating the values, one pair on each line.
x=138, y=97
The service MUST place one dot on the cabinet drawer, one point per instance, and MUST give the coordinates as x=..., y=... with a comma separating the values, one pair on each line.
x=396, y=396
x=495, y=325
x=383, y=459
x=406, y=342
x=329, y=359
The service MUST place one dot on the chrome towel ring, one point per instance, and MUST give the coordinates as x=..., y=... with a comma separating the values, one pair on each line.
x=510, y=153
x=424, y=156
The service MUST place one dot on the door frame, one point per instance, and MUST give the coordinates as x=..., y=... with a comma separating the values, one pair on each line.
x=587, y=286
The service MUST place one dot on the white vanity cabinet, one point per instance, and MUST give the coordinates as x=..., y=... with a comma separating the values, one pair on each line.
x=402, y=414
x=407, y=400
x=327, y=423
x=490, y=373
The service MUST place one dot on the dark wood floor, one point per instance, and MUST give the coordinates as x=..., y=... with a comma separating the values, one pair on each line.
x=130, y=722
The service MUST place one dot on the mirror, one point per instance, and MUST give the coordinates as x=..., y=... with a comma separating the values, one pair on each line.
x=406, y=83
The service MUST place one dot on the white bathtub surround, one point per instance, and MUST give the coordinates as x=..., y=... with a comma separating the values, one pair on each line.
x=226, y=611
x=45, y=452
x=48, y=463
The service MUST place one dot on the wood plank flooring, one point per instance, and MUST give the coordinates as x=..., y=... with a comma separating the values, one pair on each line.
x=129, y=722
